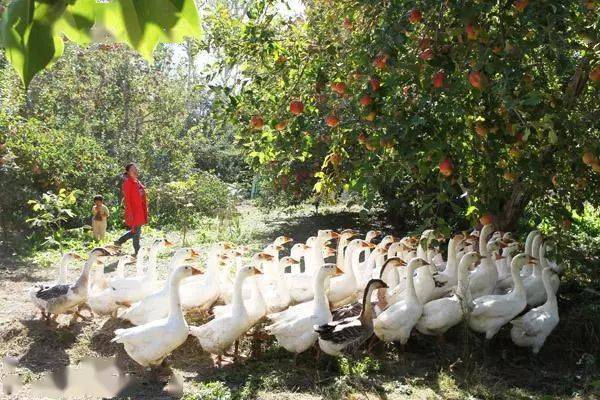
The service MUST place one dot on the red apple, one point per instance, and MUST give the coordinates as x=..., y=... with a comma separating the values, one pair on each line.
x=520, y=5
x=472, y=31
x=415, y=16
x=335, y=159
x=438, y=79
x=595, y=74
x=477, y=79
x=519, y=137
x=281, y=125
x=426, y=55
x=347, y=23
x=332, y=121
x=375, y=84
x=566, y=223
x=296, y=107
x=424, y=43
x=509, y=176
x=481, y=129
x=366, y=100
x=446, y=167
x=257, y=122
x=588, y=158
x=339, y=87
x=380, y=61
x=555, y=180
x=596, y=167
x=486, y=219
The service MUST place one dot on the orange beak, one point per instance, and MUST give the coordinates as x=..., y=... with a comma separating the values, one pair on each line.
x=257, y=271
x=196, y=271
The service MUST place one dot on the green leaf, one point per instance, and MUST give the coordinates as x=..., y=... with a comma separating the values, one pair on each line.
x=26, y=30
x=144, y=23
x=77, y=21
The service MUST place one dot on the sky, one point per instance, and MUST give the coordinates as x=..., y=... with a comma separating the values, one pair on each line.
x=287, y=8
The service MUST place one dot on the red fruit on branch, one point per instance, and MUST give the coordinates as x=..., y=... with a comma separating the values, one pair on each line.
x=438, y=79
x=335, y=159
x=296, y=107
x=424, y=43
x=375, y=84
x=481, y=129
x=339, y=87
x=472, y=31
x=520, y=5
x=366, y=100
x=446, y=167
x=477, y=79
x=332, y=121
x=426, y=55
x=595, y=74
x=281, y=125
x=257, y=122
x=415, y=16
x=347, y=23
x=380, y=61
x=588, y=158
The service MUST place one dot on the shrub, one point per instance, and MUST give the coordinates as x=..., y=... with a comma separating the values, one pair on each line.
x=180, y=204
x=36, y=160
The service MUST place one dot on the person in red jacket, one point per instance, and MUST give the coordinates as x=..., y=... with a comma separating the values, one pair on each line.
x=136, y=207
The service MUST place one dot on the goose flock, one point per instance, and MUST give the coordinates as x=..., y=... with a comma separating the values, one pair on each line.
x=379, y=286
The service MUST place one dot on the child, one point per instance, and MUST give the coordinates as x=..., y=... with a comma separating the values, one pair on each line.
x=100, y=212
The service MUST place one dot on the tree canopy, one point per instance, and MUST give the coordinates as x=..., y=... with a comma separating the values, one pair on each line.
x=447, y=111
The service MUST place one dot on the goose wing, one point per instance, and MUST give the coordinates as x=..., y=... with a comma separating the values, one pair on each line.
x=52, y=292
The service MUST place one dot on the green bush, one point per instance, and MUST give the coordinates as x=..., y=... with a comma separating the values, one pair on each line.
x=36, y=160
x=180, y=204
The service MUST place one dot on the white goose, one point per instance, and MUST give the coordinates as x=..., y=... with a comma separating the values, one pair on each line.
x=62, y=265
x=423, y=282
x=294, y=328
x=60, y=299
x=300, y=284
x=218, y=335
x=532, y=329
x=203, y=293
x=442, y=314
x=449, y=276
x=129, y=289
x=483, y=279
x=529, y=250
x=534, y=285
x=397, y=321
x=102, y=302
x=504, y=277
x=156, y=306
x=277, y=296
x=149, y=344
x=343, y=288
x=491, y=312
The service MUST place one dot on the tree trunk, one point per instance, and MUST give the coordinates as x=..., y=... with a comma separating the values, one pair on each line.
x=512, y=210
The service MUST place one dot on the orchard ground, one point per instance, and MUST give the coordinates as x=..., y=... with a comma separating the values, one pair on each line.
x=461, y=367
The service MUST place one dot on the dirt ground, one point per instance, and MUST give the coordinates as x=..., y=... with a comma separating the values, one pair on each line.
x=79, y=361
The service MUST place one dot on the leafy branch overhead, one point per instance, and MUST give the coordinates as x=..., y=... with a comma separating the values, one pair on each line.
x=32, y=31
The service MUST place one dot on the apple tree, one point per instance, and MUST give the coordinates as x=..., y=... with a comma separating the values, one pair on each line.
x=448, y=112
